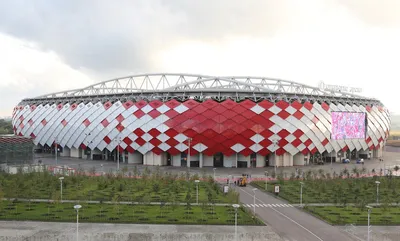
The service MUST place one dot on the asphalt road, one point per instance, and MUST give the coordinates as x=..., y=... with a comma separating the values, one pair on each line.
x=290, y=222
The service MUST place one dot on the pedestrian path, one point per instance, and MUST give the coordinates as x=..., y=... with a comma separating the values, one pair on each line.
x=263, y=205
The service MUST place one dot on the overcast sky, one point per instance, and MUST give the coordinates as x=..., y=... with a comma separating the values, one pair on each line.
x=54, y=45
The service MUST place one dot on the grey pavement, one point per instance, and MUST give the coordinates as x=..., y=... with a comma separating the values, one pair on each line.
x=378, y=233
x=44, y=231
x=391, y=158
x=291, y=223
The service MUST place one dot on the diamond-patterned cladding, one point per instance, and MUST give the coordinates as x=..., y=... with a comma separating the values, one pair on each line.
x=228, y=127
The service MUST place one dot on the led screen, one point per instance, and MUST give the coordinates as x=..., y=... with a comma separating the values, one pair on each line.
x=348, y=125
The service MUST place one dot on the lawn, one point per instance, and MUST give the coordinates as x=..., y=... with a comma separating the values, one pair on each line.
x=119, y=213
x=150, y=187
x=356, y=216
x=337, y=190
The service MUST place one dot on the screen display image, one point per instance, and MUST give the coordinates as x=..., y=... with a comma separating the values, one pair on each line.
x=348, y=125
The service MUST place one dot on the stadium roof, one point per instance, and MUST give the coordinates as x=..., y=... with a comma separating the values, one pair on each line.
x=184, y=86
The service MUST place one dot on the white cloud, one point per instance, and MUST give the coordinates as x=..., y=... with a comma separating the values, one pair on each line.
x=323, y=43
x=27, y=71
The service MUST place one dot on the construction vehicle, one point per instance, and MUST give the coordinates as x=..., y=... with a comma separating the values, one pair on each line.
x=243, y=180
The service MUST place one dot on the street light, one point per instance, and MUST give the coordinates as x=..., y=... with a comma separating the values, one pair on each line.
x=236, y=206
x=266, y=180
x=77, y=207
x=214, y=169
x=275, y=142
x=56, y=149
x=301, y=193
x=369, y=227
x=61, y=180
x=229, y=180
x=377, y=192
x=254, y=201
x=118, y=140
x=197, y=191
x=188, y=164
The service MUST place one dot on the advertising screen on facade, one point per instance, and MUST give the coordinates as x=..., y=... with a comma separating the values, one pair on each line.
x=348, y=125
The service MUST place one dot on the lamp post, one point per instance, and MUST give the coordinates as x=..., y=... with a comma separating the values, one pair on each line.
x=377, y=192
x=254, y=201
x=275, y=142
x=214, y=169
x=369, y=227
x=56, y=149
x=188, y=159
x=301, y=194
x=197, y=191
x=266, y=180
x=61, y=186
x=77, y=207
x=229, y=180
x=118, y=140
x=236, y=206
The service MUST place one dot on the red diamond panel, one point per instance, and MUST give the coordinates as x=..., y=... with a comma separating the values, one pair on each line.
x=283, y=114
x=228, y=152
x=283, y=133
x=171, y=113
x=140, y=104
x=172, y=142
x=139, y=113
x=107, y=105
x=325, y=106
x=229, y=114
x=140, y=141
x=130, y=149
x=345, y=148
x=257, y=128
x=307, y=142
x=266, y=133
x=239, y=119
x=282, y=142
x=219, y=138
x=154, y=113
x=209, y=124
x=191, y=103
x=44, y=122
x=267, y=114
x=296, y=142
x=265, y=104
x=296, y=105
x=229, y=104
x=325, y=142
x=120, y=118
x=314, y=150
x=105, y=123
x=173, y=151
x=171, y=133
x=282, y=104
x=280, y=152
x=304, y=151
x=63, y=122
x=200, y=108
x=219, y=109
x=155, y=103
x=308, y=105
x=209, y=114
x=246, y=152
x=172, y=103
x=248, y=104
x=229, y=133
x=120, y=127
x=265, y=143
x=315, y=120
x=107, y=140
x=154, y=132
x=128, y=104
x=298, y=133
x=59, y=107
x=30, y=122
x=239, y=109
x=209, y=133
x=155, y=142
x=190, y=133
x=139, y=132
x=157, y=151
x=248, y=133
x=86, y=122
x=127, y=140
x=264, y=152
x=298, y=115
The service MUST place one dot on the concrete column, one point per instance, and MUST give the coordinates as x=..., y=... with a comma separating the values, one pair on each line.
x=200, y=159
x=228, y=161
x=176, y=160
x=298, y=159
x=287, y=160
x=260, y=161
x=66, y=152
x=236, y=160
x=76, y=152
x=135, y=158
x=123, y=156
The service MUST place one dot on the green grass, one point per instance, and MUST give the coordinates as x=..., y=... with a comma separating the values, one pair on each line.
x=339, y=191
x=152, y=187
x=356, y=216
x=107, y=213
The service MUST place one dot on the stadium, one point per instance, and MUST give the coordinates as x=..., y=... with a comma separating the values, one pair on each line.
x=205, y=121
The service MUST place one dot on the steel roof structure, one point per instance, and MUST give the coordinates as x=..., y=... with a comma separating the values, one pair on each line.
x=165, y=86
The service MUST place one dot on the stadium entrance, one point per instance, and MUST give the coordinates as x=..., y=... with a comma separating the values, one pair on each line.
x=218, y=160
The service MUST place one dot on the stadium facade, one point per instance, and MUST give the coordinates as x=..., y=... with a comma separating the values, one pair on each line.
x=158, y=119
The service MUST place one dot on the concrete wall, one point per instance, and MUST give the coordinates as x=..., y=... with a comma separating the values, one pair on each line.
x=298, y=159
x=97, y=151
x=135, y=158
x=208, y=161
x=260, y=161
x=229, y=161
x=176, y=160
x=66, y=152
x=152, y=159
x=242, y=158
x=287, y=160
x=76, y=152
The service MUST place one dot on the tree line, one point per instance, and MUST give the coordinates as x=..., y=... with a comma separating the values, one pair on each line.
x=5, y=127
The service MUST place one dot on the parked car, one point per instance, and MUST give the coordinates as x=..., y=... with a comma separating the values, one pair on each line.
x=345, y=161
x=360, y=161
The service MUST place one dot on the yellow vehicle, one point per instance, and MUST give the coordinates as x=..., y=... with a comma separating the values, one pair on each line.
x=243, y=181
